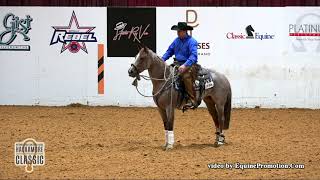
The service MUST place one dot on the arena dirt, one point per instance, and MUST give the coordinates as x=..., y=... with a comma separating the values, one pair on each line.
x=113, y=142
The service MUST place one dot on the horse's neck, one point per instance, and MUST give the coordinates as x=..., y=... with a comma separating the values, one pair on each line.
x=157, y=70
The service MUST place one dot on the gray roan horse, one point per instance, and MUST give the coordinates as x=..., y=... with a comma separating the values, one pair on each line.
x=217, y=98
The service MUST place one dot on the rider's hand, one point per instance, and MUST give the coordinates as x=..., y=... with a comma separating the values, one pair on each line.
x=183, y=68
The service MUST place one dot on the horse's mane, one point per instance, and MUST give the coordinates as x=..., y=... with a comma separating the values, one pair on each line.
x=167, y=68
x=156, y=57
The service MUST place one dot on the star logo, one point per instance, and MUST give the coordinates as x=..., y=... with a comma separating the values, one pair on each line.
x=73, y=36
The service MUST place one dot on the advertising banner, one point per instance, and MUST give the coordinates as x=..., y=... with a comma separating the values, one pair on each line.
x=127, y=27
x=63, y=55
x=303, y=30
x=49, y=54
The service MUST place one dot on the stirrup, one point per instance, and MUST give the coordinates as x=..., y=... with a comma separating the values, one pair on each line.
x=189, y=106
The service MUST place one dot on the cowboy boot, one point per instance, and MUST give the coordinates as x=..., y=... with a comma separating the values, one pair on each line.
x=188, y=83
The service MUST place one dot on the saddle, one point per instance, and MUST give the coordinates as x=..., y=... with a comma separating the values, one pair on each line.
x=202, y=80
x=203, y=77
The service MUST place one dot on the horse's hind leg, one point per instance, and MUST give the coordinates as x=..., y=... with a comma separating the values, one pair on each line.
x=212, y=110
x=220, y=139
x=214, y=114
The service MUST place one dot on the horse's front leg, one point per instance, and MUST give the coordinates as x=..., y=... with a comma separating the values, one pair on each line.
x=164, y=118
x=169, y=128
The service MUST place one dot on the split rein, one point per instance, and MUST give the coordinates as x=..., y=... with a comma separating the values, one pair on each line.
x=171, y=77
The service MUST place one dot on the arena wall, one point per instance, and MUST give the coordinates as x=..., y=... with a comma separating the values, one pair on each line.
x=281, y=70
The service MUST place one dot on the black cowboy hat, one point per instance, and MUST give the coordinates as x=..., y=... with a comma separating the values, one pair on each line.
x=181, y=26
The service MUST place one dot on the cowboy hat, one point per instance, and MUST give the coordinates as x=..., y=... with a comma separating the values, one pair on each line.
x=181, y=26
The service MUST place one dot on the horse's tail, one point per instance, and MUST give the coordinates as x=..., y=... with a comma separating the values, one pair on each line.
x=227, y=111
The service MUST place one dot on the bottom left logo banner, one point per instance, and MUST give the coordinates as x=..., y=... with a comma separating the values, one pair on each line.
x=29, y=153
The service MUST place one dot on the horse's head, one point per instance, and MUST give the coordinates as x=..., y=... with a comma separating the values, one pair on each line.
x=141, y=63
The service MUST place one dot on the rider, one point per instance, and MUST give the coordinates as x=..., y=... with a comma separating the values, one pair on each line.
x=184, y=47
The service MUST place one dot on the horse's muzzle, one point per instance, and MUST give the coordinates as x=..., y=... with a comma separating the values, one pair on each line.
x=133, y=71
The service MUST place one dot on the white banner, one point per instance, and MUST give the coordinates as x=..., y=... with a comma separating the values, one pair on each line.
x=49, y=55
x=250, y=46
x=54, y=71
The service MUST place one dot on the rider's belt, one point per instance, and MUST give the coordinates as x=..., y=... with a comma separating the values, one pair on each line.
x=178, y=62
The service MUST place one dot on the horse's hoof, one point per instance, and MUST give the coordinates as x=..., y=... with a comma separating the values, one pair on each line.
x=163, y=147
x=218, y=144
x=169, y=147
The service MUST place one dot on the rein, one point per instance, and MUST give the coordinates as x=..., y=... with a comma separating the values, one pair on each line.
x=171, y=77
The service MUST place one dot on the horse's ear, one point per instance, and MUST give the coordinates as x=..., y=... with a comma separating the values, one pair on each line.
x=138, y=46
x=142, y=45
x=145, y=48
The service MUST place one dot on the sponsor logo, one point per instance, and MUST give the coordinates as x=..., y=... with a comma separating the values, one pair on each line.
x=192, y=18
x=305, y=33
x=204, y=47
x=129, y=26
x=29, y=153
x=136, y=33
x=304, y=29
x=15, y=26
x=73, y=37
x=250, y=34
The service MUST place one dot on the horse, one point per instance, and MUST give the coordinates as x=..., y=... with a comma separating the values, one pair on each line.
x=217, y=98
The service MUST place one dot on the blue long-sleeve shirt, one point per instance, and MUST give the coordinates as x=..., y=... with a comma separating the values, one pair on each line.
x=185, y=50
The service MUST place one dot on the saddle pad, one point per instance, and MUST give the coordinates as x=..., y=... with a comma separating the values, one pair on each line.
x=206, y=79
x=209, y=85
